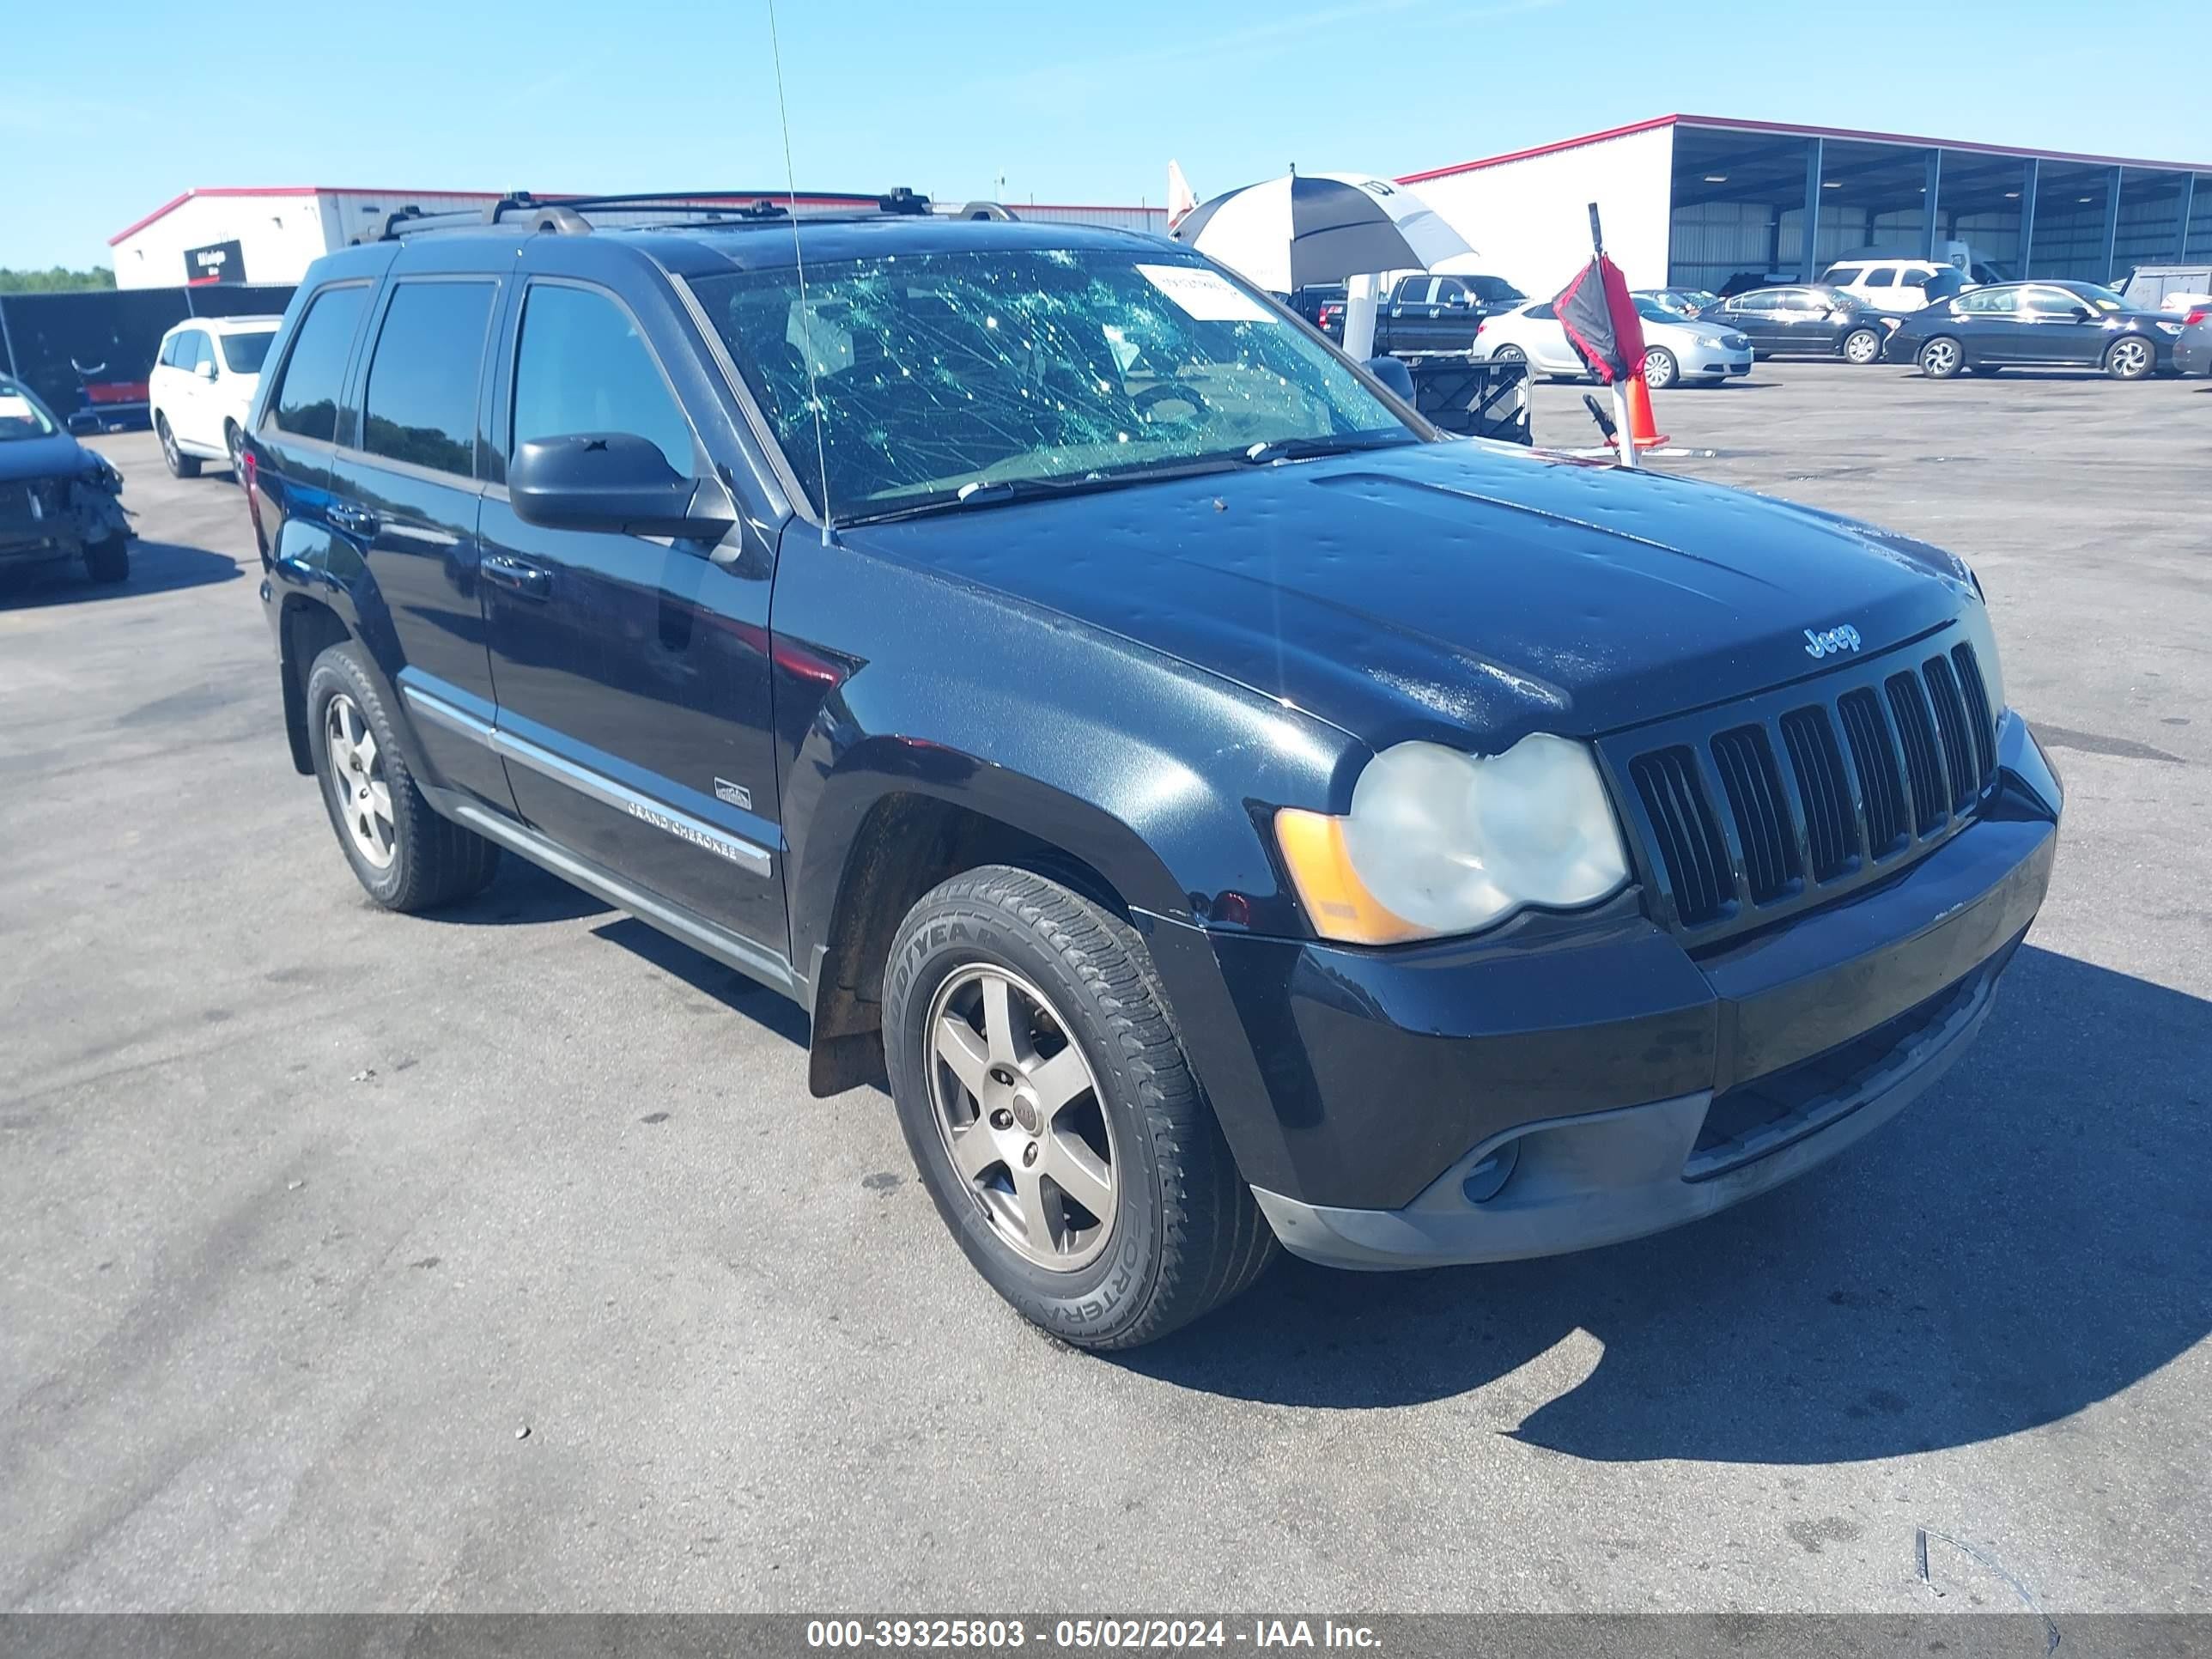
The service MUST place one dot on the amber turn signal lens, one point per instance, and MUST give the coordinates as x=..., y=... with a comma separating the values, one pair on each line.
x=1340, y=906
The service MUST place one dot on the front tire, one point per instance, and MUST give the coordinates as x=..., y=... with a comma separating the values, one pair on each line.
x=108, y=561
x=405, y=856
x=1659, y=369
x=1862, y=346
x=1046, y=1100
x=2130, y=359
x=181, y=464
x=1941, y=358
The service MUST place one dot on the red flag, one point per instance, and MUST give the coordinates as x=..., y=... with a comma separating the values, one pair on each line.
x=1600, y=318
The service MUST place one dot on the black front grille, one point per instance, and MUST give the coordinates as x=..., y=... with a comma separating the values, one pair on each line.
x=1689, y=841
x=1755, y=815
x=1874, y=759
x=1762, y=818
x=1826, y=794
x=1923, y=760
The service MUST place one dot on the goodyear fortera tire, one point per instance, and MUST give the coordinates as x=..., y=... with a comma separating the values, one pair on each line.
x=1044, y=1095
x=406, y=857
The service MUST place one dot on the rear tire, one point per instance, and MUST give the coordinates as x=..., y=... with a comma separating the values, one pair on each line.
x=1862, y=346
x=108, y=562
x=181, y=464
x=996, y=977
x=2130, y=359
x=1508, y=354
x=1941, y=358
x=405, y=856
x=1659, y=369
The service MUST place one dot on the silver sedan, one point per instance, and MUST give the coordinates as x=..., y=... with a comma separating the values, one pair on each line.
x=1679, y=350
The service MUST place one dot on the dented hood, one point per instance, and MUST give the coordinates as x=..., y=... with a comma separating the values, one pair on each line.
x=1459, y=588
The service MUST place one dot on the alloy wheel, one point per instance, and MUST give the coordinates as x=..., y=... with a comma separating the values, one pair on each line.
x=357, y=780
x=169, y=449
x=1862, y=347
x=2130, y=358
x=1018, y=1111
x=1939, y=357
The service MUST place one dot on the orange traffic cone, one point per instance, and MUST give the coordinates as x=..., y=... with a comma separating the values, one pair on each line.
x=1643, y=431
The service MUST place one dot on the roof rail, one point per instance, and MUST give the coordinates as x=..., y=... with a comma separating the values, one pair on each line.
x=566, y=215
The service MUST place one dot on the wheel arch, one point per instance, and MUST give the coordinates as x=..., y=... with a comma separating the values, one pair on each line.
x=306, y=627
x=897, y=819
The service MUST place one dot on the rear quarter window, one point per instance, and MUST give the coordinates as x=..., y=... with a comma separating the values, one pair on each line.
x=307, y=401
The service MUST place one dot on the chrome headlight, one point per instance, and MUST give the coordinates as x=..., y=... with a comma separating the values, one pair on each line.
x=1440, y=842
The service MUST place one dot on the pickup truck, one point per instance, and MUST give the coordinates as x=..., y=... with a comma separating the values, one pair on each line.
x=1421, y=313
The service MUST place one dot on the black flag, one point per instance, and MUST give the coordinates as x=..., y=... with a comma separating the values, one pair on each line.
x=1600, y=318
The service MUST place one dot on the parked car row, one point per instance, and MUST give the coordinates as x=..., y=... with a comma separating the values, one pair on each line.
x=2042, y=324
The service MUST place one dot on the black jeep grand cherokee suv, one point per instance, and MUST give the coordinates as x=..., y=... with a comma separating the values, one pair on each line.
x=1223, y=812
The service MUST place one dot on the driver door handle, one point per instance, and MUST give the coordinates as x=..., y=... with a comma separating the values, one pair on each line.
x=354, y=520
x=532, y=581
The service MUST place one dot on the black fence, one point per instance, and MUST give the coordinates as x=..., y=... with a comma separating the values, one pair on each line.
x=88, y=355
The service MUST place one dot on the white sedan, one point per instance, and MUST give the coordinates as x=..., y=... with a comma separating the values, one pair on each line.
x=1679, y=350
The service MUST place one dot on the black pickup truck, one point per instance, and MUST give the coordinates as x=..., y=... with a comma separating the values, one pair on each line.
x=1421, y=313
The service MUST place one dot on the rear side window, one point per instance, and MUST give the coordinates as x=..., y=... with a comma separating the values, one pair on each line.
x=306, y=402
x=582, y=367
x=1883, y=277
x=421, y=404
x=1844, y=276
x=244, y=354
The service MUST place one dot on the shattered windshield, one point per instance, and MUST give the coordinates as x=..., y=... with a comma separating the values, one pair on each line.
x=940, y=374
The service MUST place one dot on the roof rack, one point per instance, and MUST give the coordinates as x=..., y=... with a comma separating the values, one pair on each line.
x=567, y=215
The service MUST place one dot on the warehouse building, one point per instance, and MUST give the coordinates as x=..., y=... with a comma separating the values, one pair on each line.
x=1693, y=200
x=273, y=232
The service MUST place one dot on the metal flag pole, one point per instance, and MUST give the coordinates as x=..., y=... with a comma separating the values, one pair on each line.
x=1623, y=436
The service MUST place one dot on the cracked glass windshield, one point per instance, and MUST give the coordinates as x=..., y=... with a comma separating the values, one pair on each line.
x=949, y=378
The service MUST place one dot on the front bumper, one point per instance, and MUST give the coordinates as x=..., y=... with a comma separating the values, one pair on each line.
x=1714, y=363
x=1557, y=1087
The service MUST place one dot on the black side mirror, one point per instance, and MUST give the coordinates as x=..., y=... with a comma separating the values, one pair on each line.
x=614, y=482
x=1394, y=376
x=2082, y=313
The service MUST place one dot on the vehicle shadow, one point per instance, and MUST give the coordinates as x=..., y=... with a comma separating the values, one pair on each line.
x=519, y=893
x=155, y=568
x=2025, y=1241
x=765, y=1008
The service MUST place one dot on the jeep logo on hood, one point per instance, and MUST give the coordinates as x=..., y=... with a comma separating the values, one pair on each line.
x=1836, y=640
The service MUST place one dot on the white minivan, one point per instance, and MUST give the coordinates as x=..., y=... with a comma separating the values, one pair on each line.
x=202, y=384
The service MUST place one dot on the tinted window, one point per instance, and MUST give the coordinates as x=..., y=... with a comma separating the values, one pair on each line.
x=1844, y=276
x=582, y=367
x=1543, y=313
x=1495, y=290
x=1411, y=290
x=1886, y=277
x=421, y=405
x=2054, y=302
x=306, y=403
x=244, y=354
x=1766, y=299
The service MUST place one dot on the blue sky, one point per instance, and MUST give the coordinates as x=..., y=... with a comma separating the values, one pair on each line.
x=109, y=107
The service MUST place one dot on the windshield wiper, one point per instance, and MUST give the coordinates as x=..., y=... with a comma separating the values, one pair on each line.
x=999, y=491
x=1300, y=449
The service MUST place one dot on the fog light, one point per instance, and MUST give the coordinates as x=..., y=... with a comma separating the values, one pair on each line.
x=1484, y=1180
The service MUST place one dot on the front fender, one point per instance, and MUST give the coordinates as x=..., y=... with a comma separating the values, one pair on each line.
x=1161, y=777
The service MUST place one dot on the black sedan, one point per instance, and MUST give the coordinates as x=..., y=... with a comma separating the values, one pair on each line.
x=57, y=499
x=2047, y=325
x=1806, y=319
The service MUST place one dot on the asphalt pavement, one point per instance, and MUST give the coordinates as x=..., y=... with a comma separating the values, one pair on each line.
x=500, y=1260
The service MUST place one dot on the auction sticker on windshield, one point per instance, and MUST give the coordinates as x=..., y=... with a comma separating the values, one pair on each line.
x=1205, y=295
